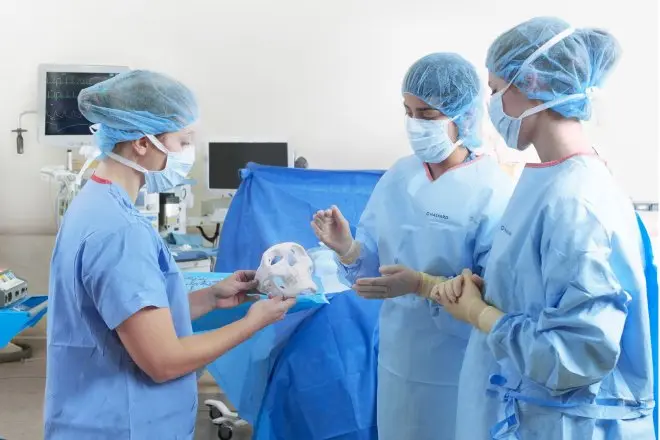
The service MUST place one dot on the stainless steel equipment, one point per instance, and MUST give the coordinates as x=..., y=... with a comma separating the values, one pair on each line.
x=169, y=216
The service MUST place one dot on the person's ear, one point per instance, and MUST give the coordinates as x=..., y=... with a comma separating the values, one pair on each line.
x=140, y=146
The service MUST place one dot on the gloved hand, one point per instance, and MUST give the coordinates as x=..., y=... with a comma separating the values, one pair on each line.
x=462, y=298
x=333, y=230
x=395, y=281
x=454, y=288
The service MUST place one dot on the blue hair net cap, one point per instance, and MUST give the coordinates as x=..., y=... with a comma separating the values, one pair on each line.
x=577, y=63
x=136, y=103
x=450, y=84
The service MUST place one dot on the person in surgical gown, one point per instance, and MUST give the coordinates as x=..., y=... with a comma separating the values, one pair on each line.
x=561, y=345
x=430, y=215
x=121, y=354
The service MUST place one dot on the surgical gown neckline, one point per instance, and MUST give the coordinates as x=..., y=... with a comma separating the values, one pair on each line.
x=469, y=160
x=553, y=163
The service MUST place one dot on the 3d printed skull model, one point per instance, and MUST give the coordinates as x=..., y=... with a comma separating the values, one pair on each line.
x=285, y=270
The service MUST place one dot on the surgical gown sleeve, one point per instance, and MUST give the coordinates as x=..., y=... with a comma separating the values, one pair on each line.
x=573, y=340
x=120, y=272
x=367, y=263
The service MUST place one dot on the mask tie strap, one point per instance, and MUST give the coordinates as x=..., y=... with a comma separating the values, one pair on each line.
x=553, y=103
x=90, y=152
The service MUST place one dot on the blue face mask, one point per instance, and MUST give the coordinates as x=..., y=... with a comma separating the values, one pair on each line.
x=176, y=169
x=507, y=127
x=429, y=139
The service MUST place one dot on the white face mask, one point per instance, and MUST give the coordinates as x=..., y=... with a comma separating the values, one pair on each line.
x=430, y=140
x=285, y=270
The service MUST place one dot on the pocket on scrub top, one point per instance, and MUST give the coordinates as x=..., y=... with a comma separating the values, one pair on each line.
x=166, y=261
x=171, y=272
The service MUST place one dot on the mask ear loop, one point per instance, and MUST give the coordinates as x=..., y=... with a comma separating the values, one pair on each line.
x=186, y=156
x=551, y=104
x=446, y=123
x=134, y=165
x=128, y=163
x=459, y=141
x=158, y=144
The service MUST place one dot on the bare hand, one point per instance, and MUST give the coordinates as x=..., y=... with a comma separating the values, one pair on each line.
x=396, y=281
x=333, y=230
x=267, y=311
x=234, y=290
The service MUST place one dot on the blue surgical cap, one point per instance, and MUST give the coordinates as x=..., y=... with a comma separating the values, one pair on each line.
x=576, y=64
x=450, y=84
x=133, y=104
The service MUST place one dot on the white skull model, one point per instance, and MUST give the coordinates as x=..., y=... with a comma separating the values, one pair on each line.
x=285, y=270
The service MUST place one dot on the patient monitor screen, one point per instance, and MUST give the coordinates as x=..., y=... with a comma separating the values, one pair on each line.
x=62, y=114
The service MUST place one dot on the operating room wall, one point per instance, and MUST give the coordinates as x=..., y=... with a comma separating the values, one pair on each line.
x=323, y=75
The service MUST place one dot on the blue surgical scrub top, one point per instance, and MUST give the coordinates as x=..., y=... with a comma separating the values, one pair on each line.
x=109, y=263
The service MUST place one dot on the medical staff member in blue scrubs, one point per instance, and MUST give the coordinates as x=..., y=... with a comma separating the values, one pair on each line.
x=430, y=215
x=561, y=347
x=121, y=354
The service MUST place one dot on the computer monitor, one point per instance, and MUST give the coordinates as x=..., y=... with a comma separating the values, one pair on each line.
x=60, y=122
x=227, y=158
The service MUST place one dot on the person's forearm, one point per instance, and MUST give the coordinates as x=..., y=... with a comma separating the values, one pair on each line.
x=559, y=350
x=201, y=302
x=199, y=350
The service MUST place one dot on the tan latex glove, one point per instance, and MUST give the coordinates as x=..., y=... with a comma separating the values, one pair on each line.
x=395, y=281
x=462, y=297
x=332, y=228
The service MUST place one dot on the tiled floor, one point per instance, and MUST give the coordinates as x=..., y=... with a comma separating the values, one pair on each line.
x=22, y=394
